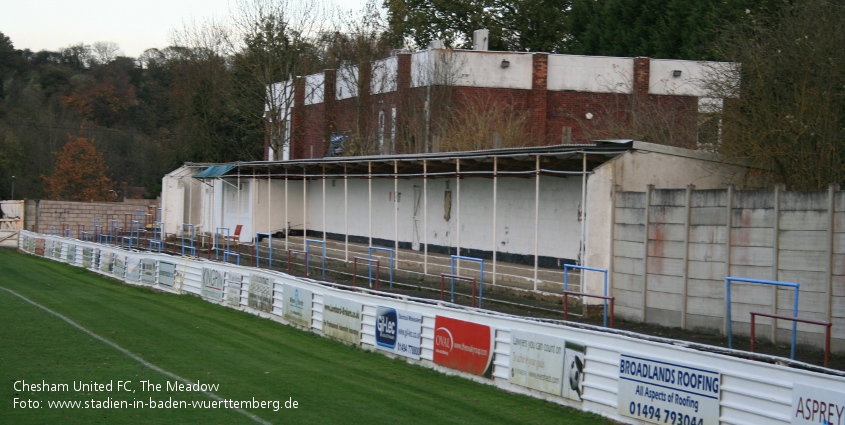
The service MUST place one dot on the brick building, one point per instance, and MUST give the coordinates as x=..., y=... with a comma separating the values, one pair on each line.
x=452, y=100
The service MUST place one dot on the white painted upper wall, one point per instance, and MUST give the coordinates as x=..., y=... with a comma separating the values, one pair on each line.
x=346, y=85
x=385, y=75
x=315, y=88
x=471, y=69
x=693, y=78
x=279, y=95
x=422, y=68
x=484, y=69
x=593, y=74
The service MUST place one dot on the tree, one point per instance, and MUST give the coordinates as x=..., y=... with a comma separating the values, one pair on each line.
x=105, y=51
x=479, y=122
x=790, y=114
x=273, y=41
x=79, y=173
x=519, y=25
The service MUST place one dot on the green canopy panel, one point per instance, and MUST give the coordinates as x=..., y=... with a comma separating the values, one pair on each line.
x=214, y=171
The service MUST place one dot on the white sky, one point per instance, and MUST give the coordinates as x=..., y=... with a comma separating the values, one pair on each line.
x=134, y=25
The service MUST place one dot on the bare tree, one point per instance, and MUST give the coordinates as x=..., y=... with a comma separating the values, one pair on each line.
x=275, y=41
x=483, y=121
x=365, y=67
x=790, y=115
x=105, y=51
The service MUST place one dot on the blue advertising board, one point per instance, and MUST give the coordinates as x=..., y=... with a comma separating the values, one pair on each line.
x=399, y=331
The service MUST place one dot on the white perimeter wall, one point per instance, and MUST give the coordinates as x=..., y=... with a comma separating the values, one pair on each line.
x=751, y=392
x=633, y=172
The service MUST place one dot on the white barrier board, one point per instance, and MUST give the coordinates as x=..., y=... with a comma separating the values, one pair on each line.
x=662, y=392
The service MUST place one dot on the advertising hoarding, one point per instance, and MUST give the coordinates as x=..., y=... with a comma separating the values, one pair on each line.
x=119, y=268
x=537, y=361
x=148, y=271
x=260, y=295
x=816, y=406
x=399, y=331
x=133, y=269
x=71, y=254
x=342, y=319
x=233, y=288
x=297, y=305
x=461, y=345
x=87, y=257
x=658, y=391
x=212, y=285
x=106, y=262
x=166, y=273
x=574, y=362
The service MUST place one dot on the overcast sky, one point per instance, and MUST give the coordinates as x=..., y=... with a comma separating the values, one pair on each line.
x=134, y=25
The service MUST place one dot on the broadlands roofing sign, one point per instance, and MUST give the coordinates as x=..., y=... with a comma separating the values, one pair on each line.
x=461, y=345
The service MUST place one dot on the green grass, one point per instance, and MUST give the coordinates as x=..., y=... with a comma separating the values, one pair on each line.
x=246, y=355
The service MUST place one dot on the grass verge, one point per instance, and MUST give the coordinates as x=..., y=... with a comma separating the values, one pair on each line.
x=248, y=357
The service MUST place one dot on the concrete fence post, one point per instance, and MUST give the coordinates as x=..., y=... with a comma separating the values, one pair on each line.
x=728, y=223
x=779, y=188
x=685, y=289
x=648, y=191
x=831, y=214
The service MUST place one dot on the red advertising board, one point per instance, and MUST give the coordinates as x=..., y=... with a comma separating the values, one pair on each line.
x=461, y=345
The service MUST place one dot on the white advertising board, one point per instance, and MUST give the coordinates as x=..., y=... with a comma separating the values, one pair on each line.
x=119, y=268
x=574, y=363
x=71, y=254
x=816, y=406
x=342, y=319
x=234, y=282
x=87, y=257
x=547, y=363
x=297, y=305
x=260, y=292
x=666, y=392
x=537, y=361
x=133, y=269
x=166, y=273
x=399, y=331
x=212, y=285
x=106, y=262
x=148, y=271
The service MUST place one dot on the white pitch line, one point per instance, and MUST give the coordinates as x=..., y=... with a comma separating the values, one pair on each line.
x=133, y=355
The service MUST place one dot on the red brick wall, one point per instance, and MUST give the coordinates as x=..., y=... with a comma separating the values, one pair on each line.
x=554, y=117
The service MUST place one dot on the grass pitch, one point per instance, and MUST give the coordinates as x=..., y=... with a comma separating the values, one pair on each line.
x=249, y=358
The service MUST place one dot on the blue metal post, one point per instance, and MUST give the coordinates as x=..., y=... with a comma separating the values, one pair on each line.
x=370, y=250
x=257, y=251
x=566, y=268
x=796, y=287
x=191, y=239
x=308, y=257
x=480, y=277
